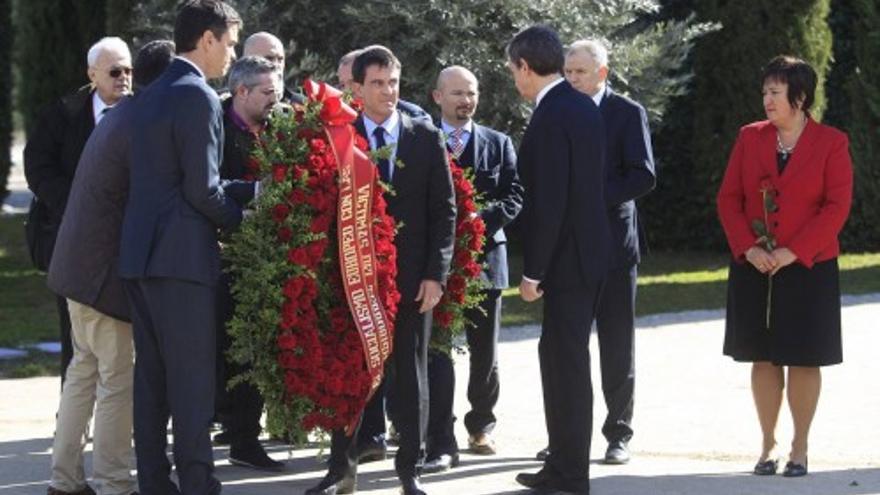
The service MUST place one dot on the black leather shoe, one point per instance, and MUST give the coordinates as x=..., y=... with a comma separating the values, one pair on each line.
x=411, y=486
x=793, y=470
x=441, y=463
x=334, y=484
x=222, y=438
x=617, y=453
x=542, y=454
x=372, y=452
x=766, y=468
x=537, y=481
x=253, y=456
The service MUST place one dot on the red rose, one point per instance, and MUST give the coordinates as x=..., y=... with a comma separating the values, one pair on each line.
x=287, y=341
x=297, y=196
x=317, y=146
x=472, y=269
x=298, y=256
x=316, y=250
x=278, y=172
x=442, y=318
x=285, y=234
x=456, y=283
x=280, y=212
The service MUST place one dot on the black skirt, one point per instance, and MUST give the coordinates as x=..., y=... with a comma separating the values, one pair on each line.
x=804, y=319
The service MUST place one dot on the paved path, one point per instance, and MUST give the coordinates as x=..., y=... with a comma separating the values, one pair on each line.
x=696, y=431
x=19, y=196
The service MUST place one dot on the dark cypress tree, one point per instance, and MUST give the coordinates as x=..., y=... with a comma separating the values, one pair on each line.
x=861, y=232
x=6, y=39
x=53, y=37
x=727, y=87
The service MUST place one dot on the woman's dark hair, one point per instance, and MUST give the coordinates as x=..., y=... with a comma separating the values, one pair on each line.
x=151, y=62
x=194, y=17
x=372, y=55
x=540, y=47
x=798, y=75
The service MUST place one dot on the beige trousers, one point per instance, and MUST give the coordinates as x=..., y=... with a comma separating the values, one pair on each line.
x=102, y=368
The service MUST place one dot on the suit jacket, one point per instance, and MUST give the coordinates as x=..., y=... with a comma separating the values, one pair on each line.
x=629, y=173
x=412, y=110
x=54, y=145
x=564, y=217
x=176, y=201
x=423, y=204
x=814, y=193
x=492, y=158
x=87, y=251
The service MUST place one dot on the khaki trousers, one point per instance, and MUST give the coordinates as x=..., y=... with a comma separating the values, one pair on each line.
x=102, y=369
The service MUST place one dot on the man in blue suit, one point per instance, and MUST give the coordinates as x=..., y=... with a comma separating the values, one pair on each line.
x=566, y=255
x=169, y=254
x=490, y=156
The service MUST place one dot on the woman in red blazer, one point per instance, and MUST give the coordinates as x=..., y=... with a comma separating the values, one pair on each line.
x=784, y=198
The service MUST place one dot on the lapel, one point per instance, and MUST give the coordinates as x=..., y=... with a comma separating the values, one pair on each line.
x=605, y=102
x=405, y=143
x=802, y=152
x=360, y=128
x=476, y=146
x=767, y=158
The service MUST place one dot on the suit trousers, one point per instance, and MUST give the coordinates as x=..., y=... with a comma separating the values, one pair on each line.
x=483, y=383
x=409, y=385
x=564, y=355
x=64, y=328
x=239, y=409
x=100, y=377
x=174, y=336
x=615, y=326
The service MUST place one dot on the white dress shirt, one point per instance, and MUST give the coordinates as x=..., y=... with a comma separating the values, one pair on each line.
x=465, y=136
x=391, y=126
x=99, y=108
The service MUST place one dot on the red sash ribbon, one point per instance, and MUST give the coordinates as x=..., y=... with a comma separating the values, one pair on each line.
x=357, y=255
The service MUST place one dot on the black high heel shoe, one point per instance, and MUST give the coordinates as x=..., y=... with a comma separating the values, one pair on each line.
x=767, y=468
x=793, y=470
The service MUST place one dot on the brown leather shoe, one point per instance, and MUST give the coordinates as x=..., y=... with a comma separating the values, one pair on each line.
x=85, y=491
x=481, y=444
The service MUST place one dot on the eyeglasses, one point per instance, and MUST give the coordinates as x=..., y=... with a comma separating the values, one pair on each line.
x=118, y=71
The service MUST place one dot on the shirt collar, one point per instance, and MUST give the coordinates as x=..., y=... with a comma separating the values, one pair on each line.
x=597, y=98
x=190, y=62
x=390, y=125
x=447, y=128
x=546, y=89
x=98, y=107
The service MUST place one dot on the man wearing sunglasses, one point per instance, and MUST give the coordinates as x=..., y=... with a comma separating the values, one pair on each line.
x=54, y=145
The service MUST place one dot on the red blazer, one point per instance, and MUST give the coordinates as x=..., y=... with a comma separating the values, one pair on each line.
x=814, y=192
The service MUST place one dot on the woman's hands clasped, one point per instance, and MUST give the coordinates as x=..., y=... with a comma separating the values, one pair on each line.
x=770, y=263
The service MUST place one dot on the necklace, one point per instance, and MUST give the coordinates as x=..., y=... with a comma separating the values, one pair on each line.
x=784, y=150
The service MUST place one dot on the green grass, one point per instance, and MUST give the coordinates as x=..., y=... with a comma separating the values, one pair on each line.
x=27, y=308
x=670, y=282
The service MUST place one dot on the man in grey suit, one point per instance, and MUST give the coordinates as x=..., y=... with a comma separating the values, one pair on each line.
x=169, y=253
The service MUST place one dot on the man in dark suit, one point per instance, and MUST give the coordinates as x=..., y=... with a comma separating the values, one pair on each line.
x=567, y=251
x=268, y=46
x=53, y=149
x=490, y=156
x=169, y=253
x=630, y=175
x=85, y=272
x=424, y=205
x=255, y=85
x=344, y=77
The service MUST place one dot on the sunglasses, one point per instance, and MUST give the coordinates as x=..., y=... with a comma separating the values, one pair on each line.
x=118, y=71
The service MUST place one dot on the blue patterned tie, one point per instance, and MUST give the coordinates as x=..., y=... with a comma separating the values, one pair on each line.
x=384, y=164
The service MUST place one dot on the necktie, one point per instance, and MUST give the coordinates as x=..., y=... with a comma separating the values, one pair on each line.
x=456, y=143
x=384, y=164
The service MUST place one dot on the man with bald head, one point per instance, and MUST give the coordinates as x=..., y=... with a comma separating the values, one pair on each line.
x=490, y=155
x=268, y=46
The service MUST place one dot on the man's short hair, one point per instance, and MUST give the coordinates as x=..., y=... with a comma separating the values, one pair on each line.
x=152, y=60
x=538, y=46
x=194, y=17
x=594, y=48
x=372, y=55
x=349, y=57
x=800, y=77
x=109, y=44
x=246, y=71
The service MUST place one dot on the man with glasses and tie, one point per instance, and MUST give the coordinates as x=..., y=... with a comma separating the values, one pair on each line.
x=54, y=145
x=490, y=156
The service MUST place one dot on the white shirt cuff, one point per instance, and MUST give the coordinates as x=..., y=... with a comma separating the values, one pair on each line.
x=531, y=280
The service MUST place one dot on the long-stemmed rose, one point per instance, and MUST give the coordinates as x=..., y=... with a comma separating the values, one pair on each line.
x=766, y=238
